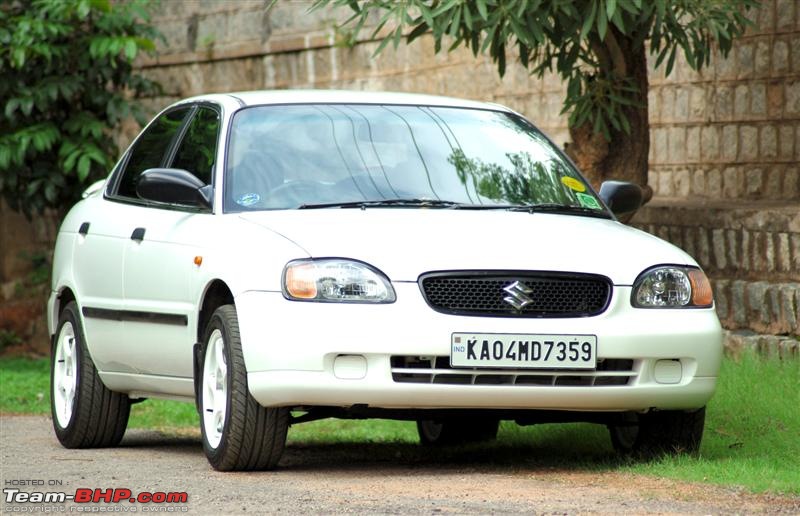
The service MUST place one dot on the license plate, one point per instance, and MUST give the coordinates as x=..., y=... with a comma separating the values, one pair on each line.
x=523, y=351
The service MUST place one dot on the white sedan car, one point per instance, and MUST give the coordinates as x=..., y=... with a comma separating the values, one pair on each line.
x=280, y=257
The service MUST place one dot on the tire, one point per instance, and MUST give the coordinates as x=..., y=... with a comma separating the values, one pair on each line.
x=85, y=413
x=238, y=433
x=665, y=432
x=450, y=432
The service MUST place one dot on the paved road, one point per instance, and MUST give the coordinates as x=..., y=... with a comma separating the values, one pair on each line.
x=335, y=479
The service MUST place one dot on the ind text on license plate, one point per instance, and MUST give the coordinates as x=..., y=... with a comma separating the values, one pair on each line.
x=523, y=351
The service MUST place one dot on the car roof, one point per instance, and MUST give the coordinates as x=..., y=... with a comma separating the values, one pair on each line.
x=266, y=97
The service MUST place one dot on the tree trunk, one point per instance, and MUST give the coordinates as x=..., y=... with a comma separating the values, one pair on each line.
x=624, y=157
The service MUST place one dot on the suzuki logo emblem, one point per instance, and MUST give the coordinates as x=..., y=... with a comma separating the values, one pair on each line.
x=518, y=295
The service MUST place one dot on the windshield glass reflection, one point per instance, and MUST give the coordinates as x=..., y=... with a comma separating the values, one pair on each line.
x=285, y=157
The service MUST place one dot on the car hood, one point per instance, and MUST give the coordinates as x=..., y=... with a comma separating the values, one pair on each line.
x=404, y=242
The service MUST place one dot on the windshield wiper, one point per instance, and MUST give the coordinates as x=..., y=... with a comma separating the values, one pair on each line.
x=558, y=208
x=411, y=203
x=437, y=203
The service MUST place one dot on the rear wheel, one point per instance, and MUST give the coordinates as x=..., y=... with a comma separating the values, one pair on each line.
x=85, y=413
x=659, y=432
x=456, y=431
x=238, y=433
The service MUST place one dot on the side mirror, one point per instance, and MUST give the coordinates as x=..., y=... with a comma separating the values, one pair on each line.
x=174, y=186
x=622, y=198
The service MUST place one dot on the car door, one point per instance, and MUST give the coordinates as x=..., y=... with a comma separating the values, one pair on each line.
x=97, y=268
x=159, y=262
x=99, y=253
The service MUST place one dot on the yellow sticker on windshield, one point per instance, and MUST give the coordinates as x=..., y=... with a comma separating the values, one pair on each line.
x=573, y=184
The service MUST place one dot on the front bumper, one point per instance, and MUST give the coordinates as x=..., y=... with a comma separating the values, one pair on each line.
x=324, y=354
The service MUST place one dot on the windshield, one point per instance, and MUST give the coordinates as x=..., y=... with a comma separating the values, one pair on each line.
x=328, y=155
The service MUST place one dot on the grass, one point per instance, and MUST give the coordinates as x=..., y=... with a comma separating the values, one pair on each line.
x=25, y=389
x=752, y=436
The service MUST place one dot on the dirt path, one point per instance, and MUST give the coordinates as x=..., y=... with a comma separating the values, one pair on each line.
x=329, y=479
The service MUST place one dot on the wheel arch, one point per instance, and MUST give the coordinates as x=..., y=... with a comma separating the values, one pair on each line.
x=216, y=294
x=63, y=298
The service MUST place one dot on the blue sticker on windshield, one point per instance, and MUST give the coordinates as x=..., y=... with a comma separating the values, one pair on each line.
x=248, y=199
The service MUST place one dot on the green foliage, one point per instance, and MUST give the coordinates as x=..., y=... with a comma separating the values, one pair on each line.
x=587, y=42
x=530, y=181
x=66, y=80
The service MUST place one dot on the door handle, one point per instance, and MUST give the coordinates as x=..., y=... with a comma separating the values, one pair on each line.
x=84, y=228
x=138, y=234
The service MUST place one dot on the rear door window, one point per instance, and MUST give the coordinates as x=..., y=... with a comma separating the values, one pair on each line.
x=198, y=149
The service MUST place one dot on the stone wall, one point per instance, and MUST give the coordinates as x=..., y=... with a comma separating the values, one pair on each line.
x=241, y=45
x=731, y=132
x=24, y=245
x=724, y=155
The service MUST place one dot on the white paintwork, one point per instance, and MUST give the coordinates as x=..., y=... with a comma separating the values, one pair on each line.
x=406, y=243
x=290, y=348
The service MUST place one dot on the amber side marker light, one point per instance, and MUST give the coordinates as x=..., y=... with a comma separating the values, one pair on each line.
x=198, y=260
x=300, y=281
x=701, y=288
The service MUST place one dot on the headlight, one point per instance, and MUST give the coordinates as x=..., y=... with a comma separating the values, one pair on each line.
x=672, y=286
x=335, y=280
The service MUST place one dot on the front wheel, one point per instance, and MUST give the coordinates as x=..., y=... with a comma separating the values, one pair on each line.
x=659, y=432
x=85, y=413
x=238, y=433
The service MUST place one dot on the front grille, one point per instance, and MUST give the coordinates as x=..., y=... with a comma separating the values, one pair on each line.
x=516, y=294
x=437, y=370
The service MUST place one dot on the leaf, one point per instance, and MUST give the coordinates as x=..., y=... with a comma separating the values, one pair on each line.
x=536, y=30
x=50, y=192
x=481, y=4
x=38, y=141
x=671, y=61
x=618, y=21
x=18, y=57
x=5, y=157
x=101, y=5
x=130, y=49
x=83, y=167
x=425, y=12
x=602, y=23
x=587, y=23
x=611, y=8
x=418, y=31
x=83, y=9
x=145, y=44
x=26, y=105
x=69, y=162
x=467, y=17
x=455, y=23
x=443, y=7
x=385, y=41
x=32, y=187
x=11, y=106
